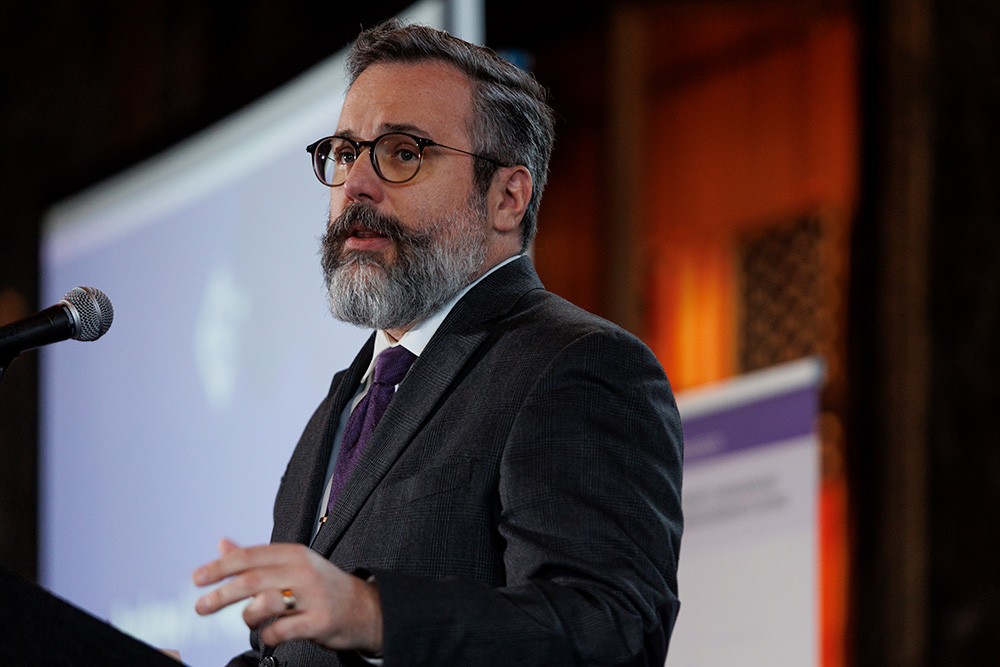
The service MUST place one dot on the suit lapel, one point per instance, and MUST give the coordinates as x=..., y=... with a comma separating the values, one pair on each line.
x=424, y=387
x=317, y=457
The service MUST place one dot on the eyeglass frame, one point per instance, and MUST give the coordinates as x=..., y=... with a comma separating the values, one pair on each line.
x=421, y=142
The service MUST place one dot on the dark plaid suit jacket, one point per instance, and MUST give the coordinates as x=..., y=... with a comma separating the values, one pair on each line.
x=519, y=502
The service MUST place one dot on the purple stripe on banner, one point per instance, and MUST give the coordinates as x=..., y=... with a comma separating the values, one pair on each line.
x=750, y=425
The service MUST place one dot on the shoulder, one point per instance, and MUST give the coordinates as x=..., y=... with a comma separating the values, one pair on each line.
x=543, y=318
x=525, y=303
x=520, y=328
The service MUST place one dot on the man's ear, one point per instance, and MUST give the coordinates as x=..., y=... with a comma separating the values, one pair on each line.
x=511, y=193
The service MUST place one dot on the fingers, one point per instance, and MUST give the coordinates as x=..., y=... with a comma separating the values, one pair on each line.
x=265, y=605
x=237, y=559
x=249, y=583
x=252, y=571
x=333, y=608
x=289, y=627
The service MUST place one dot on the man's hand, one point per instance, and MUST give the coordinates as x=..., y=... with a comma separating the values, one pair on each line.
x=332, y=608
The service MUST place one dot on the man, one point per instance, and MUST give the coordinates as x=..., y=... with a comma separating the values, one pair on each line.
x=518, y=502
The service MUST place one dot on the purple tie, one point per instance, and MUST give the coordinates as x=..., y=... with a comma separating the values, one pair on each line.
x=390, y=367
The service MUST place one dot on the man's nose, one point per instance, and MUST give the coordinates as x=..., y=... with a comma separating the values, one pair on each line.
x=362, y=182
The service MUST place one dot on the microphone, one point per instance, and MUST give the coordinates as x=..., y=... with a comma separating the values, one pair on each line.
x=85, y=313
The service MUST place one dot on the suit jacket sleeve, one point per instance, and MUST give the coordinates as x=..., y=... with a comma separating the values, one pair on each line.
x=589, y=493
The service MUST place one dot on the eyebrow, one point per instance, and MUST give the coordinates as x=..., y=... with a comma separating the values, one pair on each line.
x=388, y=127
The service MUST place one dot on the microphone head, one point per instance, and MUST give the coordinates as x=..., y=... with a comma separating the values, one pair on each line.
x=94, y=309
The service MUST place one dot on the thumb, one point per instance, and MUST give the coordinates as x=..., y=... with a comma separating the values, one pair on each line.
x=226, y=545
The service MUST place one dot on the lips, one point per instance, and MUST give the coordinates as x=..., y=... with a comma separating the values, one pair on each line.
x=364, y=238
x=364, y=233
x=361, y=221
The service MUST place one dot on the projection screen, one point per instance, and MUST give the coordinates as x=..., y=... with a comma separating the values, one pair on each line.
x=173, y=430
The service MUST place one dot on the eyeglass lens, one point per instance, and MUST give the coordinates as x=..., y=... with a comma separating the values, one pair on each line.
x=396, y=158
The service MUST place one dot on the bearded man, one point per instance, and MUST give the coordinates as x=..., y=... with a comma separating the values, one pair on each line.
x=496, y=478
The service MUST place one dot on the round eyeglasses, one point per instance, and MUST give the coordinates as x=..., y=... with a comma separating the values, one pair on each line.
x=396, y=156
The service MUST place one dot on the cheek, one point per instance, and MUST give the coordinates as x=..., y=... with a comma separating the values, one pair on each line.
x=337, y=202
x=436, y=205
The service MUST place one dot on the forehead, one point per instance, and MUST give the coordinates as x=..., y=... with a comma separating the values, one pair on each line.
x=429, y=97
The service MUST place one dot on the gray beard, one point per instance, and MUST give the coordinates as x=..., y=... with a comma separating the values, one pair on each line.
x=429, y=269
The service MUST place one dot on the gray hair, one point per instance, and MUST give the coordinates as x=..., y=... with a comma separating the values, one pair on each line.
x=511, y=119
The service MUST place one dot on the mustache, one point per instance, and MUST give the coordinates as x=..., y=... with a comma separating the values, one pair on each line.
x=354, y=216
x=368, y=217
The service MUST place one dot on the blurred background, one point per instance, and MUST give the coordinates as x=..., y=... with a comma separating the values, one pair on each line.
x=740, y=184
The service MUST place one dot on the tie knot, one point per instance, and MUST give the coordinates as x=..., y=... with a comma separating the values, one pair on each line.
x=392, y=364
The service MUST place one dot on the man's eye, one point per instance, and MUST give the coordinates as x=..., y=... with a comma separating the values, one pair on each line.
x=344, y=156
x=402, y=150
x=406, y=154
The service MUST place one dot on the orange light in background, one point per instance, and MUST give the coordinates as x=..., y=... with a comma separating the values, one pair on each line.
x=752, y=120
x=692, y=328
